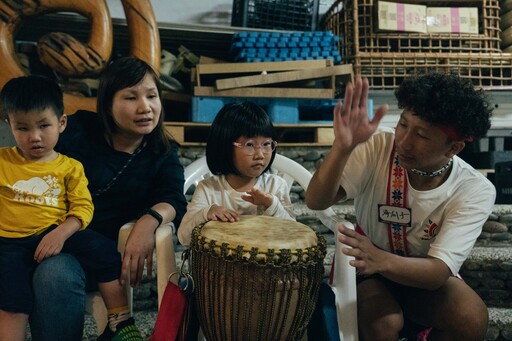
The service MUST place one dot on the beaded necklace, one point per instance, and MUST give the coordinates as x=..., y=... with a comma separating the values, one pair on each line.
x=434, y=173
x=107, y=187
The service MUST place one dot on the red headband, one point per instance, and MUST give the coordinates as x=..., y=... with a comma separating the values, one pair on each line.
x=454, y=134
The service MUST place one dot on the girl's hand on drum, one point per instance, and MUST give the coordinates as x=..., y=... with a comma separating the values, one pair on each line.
x=258, y=198
x=368, y=258
x=220, y=213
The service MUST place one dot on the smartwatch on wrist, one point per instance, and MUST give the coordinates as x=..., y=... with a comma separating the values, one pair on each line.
x=154, y=214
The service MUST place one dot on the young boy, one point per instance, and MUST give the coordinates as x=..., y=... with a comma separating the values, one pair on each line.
x=44, y=208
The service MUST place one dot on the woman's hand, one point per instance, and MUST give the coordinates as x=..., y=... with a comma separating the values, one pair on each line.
x=258, y=198
x=139, y=251
x=350, y=119
x=221, y=213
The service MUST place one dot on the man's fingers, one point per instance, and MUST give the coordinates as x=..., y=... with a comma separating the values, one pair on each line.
x=346, y=231
x=364, y=93
x=338, y=108
x=348, y=236
x=347, y=102
x=356, y=97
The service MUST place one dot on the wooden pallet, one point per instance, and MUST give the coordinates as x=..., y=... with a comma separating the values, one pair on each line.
x=291, y=79
x=196, y=134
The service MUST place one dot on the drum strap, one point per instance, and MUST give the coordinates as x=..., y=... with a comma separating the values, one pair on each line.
x=397, y=196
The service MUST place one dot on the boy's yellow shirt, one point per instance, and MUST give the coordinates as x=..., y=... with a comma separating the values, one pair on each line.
x=36, y=195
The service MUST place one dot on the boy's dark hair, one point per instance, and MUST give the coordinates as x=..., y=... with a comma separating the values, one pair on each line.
x=235, y=120
x=123, y=73
x=447, y=99
x=31, y=93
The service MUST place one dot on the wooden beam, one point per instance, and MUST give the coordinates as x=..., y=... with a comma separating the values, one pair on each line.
x=210, y=91
x=325, y=136
x=281, y=77
x=203, y=69
x=194, y=133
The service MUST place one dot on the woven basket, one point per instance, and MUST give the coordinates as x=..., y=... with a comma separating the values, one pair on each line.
x=387, y=57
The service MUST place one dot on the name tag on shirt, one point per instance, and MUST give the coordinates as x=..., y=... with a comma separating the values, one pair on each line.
x=394, y=215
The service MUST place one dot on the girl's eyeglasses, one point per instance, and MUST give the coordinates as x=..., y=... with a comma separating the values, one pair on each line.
x=250, y=146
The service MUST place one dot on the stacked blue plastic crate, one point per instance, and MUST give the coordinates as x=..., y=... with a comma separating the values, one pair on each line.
x=280, y=110
x=284, y=46
x=250, y=47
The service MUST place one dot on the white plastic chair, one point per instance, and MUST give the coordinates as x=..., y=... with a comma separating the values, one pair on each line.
x=165, y=265
x=344, y=279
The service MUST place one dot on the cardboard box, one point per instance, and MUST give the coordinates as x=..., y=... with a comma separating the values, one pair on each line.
x=452, y=20
x=401, y=17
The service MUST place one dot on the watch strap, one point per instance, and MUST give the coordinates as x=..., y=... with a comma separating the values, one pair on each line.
x=154, y=214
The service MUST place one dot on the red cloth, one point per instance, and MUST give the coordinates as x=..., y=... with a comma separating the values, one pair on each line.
x=172, y=315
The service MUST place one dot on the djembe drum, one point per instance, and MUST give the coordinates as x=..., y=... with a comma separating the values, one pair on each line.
x=256, y=279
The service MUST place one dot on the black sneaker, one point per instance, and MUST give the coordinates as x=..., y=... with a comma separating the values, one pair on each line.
x=126, y=331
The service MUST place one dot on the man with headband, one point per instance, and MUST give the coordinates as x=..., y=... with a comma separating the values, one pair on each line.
x=419, y=207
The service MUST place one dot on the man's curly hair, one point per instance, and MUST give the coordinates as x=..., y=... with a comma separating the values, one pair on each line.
x=446, y=99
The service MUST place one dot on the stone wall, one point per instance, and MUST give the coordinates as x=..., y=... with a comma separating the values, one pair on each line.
x=489, y=272
x=489, y=268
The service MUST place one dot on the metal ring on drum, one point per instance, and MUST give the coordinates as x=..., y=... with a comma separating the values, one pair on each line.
x=256, y=279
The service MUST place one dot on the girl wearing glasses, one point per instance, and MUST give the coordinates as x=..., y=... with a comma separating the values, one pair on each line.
x=240, y=150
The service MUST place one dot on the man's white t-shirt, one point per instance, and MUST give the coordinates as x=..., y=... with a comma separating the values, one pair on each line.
x=445, y=221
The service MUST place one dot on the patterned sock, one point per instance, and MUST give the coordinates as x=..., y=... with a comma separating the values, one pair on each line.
x=127, y=331
x=117, y=315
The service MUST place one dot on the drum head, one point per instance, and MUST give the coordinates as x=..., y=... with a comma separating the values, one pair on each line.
x=262, y=232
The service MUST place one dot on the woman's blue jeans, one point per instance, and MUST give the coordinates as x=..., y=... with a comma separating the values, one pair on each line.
x=59, y=300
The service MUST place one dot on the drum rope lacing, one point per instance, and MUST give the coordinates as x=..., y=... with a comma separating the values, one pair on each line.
x=274, y=292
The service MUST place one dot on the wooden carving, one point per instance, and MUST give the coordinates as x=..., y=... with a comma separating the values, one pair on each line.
x=70, y=57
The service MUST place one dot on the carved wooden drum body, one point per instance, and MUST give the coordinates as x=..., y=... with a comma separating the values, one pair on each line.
x=256, y=279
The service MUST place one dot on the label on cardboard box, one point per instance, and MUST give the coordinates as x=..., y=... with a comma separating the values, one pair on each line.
x=452, y=20
x=393, y=16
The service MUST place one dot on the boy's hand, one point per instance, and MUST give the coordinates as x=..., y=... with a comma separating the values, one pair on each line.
x=258, y=198
x=220, y=213
x=50, y=245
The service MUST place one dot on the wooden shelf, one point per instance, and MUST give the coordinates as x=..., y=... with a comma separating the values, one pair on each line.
x=196, y=134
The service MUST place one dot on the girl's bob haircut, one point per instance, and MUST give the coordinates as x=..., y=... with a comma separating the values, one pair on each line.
x=233, y=121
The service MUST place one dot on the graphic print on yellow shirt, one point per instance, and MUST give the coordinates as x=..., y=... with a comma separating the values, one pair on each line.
x=39, y=191
x=37, y=195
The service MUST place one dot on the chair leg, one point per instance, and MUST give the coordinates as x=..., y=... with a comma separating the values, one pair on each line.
x=345, y=290
x=124, y=232
x=95, y=306
x=165, y=258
